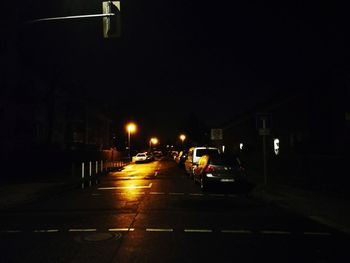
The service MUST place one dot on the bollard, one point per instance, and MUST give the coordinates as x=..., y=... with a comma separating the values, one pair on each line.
x=90, y=172
x=82, y=175
x=96, y=172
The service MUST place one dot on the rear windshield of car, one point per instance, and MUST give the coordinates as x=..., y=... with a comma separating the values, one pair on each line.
x=201, y=152
x=141, y=154
x=221, y=159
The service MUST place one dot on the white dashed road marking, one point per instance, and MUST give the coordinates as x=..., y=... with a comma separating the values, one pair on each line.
x=159, y=229
x=236, y=231
x=154, y=193
x=46, y=231
x=198, y=230
x=186, y=230
x=273, y=232
x=317, y=233
x=121, y=229
x=11, y=231
x=82, y=230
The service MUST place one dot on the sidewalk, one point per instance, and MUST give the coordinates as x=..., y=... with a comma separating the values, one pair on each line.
x=13, y=195
x=333, y=212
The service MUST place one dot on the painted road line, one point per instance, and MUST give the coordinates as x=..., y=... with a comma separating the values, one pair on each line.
x=317, y=233
x=219, y=195
x=156, y=173
x=125, y=187
x=159, y=229
x=11, y=231
x=195, y=194
x=129, y=193
x=157, y=193
x=82, y=230
x=198, y=230
x=176, y=193
x=275, y=232
x=129, y=177
x=46, y=231
x=239, y=231
x=125, y=229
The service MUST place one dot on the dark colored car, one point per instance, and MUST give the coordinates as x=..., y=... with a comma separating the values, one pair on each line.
x=219, y=168
x=181, y=158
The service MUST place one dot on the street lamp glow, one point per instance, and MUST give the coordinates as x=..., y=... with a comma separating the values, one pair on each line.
x=153, y=141
x=182, y=137
x=131, y=127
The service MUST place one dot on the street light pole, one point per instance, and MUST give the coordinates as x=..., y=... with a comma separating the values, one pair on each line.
x=129, y=144
x=131, y=127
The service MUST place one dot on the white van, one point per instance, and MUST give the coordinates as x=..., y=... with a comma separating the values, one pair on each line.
x=194, y=154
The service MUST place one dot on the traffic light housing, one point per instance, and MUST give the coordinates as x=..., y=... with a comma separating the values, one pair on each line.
x=112, y=20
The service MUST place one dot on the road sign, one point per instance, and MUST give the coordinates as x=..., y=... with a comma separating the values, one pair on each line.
x=262, y=119
x=111, y=24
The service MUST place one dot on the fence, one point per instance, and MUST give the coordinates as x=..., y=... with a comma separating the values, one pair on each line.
x=88, y=172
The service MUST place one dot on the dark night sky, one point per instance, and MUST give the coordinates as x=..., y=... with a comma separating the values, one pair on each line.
x=177, y=58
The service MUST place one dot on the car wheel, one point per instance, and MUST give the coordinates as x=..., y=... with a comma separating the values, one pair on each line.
x=194, y=179
x=203, y=184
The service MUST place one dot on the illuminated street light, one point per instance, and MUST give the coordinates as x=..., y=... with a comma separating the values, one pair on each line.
x=182, y=138
x=131, y=127
x=153, y=141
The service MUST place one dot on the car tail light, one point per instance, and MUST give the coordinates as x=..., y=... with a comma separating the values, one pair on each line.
x=209, y=169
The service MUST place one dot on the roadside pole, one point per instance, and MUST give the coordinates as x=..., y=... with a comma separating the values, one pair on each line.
x=264, y=152
x=263, y=124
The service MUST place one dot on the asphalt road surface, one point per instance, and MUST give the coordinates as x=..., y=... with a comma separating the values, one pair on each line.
x=152, y=212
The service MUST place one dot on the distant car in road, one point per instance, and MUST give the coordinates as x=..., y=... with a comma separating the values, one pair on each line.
x=157, y=154
x=194, y=153
x=219, y=168
x=150, y=157
x=143, y=157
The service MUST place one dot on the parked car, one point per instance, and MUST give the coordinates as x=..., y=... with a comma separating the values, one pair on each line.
x=194, y=153
x=143, y=157
x=219, y=168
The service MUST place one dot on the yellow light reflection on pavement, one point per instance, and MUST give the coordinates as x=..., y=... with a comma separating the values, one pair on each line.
x=126, y=187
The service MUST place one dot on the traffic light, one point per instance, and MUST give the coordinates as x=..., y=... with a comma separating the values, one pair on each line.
x=112, y=21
